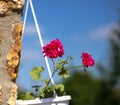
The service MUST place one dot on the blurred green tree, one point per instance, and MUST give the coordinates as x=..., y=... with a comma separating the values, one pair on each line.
x=86, y=90
x=115, y=56
x=110, y=90
x=82, y=88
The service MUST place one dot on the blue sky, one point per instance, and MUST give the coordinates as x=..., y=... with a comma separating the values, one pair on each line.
x=81, y=25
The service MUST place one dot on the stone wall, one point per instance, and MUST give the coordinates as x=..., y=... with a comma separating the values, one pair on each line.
x=10, y=48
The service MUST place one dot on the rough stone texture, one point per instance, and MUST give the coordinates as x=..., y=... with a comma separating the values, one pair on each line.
x=10, y=47
x=0, y=93
x=13, y=56
x=0, y=36
x=7, y=6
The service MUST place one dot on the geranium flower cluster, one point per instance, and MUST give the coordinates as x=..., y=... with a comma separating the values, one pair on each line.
x=54, y=50
x=87, y=59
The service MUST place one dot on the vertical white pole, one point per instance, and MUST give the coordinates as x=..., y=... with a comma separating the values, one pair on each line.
x=41, y=41
x=24, y=22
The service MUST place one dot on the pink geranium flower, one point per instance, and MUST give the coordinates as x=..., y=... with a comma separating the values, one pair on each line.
x=54, y=49
x=61, y=66
x=87, y=59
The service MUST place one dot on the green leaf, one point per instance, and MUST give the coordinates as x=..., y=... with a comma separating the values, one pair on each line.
x=59, y=88
x=42, y=93
x=71, y=57
x=45, y=81
x=28, y=96
x=46, y=92
x=62, y=62
x=64, y=73
x=36, y=73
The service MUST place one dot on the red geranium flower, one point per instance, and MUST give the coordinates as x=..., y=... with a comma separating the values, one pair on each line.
x=54, y=49
x=87, y=59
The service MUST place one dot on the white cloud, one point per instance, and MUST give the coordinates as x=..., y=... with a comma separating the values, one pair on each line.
x=28, y=55
x=30, y=29
x=31, y=58
x=103, y=32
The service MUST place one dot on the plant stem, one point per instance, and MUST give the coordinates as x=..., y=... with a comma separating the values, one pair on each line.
x=52, y=73
x=73, y=67
x=51, y=77
x=53, y=62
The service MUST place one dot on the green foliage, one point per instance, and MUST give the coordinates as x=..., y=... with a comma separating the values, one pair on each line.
x=107, y=96
x=64, y=73
x=110, y=75
x=115, y=59
x=82, y=88
x=71, y=57
x=36, y=73
x=48, y=91
x=26, y=96
x=59, y=89
x=61, y=66
x=45, y=81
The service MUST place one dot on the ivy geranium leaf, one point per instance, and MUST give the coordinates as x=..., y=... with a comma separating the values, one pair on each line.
x=62, y=62
x=71, y=57
x=45, y=81
x=36, y=73
x=46, y=92
x=59, y=88
x=28, y=96
x=63, y=73
x=42, y=93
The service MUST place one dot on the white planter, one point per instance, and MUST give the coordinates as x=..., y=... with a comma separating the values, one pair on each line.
x=63, y=100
